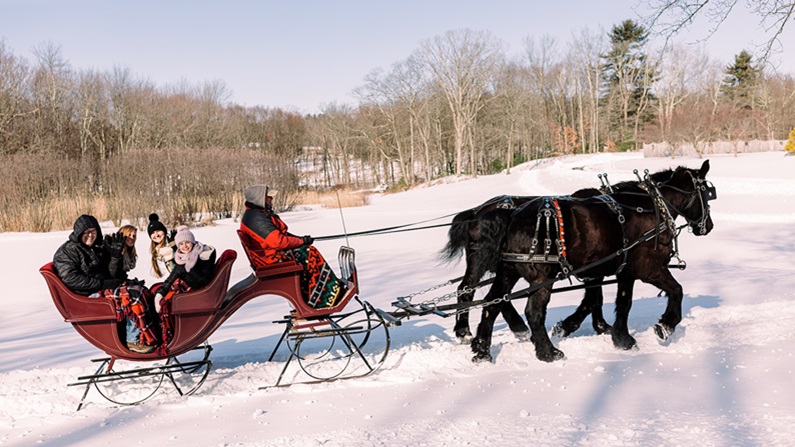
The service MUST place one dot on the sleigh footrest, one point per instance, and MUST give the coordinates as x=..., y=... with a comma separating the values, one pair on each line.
x=418, y=309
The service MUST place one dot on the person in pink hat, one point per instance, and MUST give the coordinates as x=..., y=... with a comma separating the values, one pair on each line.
x=194, y=265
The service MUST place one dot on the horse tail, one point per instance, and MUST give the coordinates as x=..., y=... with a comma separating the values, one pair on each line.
x=493, y=229
x=457, y=236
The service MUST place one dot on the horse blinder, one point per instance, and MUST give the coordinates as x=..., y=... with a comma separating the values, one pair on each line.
x=709, y=191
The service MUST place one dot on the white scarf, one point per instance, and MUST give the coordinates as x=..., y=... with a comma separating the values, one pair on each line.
x=189, y=259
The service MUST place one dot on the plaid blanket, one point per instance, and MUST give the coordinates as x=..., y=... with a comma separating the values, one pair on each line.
x=131, y=303
x=319, y=285
x=166, y=319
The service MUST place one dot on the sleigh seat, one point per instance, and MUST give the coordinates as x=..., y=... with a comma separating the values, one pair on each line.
x=95, y=318
x=284, y=279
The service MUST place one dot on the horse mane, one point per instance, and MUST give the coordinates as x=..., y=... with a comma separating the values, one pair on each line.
x=659, y=176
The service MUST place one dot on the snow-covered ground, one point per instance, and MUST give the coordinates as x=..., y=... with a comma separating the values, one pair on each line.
x=724, y=379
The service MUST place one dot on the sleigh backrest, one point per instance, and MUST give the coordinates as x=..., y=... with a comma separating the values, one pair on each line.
x=254, y=251
x=76, y=308
x=208, y=298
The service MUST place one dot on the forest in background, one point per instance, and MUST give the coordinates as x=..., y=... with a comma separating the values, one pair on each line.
x=113, y=144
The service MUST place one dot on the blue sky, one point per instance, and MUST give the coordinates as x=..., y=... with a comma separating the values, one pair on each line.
x=303, y=54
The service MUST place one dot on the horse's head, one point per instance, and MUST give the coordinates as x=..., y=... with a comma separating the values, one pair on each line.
x=690, y=193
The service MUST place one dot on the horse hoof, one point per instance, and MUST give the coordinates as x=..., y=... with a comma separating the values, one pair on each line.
x=559, y=331
x=602, y=328
x=663, y=331
x=624, y=343
x=551, y=356
x=463, y=335
x=483, y=357
x=522, y=336
x=481, y=349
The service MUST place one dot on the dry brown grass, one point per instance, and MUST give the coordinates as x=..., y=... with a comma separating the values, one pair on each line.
x=47, y=192
x=343, y=198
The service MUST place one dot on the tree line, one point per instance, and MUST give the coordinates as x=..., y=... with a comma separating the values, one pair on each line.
x=458, y=105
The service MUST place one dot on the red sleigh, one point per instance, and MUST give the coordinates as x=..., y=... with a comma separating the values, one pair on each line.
x=324, y=341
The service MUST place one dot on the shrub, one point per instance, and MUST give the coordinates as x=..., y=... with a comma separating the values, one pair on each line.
x=790, y=146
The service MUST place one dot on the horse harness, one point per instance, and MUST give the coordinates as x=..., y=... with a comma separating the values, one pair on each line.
x=550, y=209
x=551, y=218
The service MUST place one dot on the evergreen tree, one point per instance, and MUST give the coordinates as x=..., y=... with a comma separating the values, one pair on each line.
x=741, y=81
x=628, y=78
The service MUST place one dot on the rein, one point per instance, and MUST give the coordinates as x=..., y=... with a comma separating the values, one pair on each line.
x=393, y=229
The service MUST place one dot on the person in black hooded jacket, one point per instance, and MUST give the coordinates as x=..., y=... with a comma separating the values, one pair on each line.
x=84, y=264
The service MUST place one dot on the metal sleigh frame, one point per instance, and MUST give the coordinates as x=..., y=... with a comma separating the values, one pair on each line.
x=197, y=314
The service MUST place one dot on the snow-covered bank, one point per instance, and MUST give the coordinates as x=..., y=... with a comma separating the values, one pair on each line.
x=723, y=379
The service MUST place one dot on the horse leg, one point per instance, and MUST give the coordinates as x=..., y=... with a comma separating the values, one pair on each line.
x=511, y=315
x=598, y=322
x=462, y=332
x=673, y=311
x=481, y=344
x=515, y=321
x=591, y=304
x=620, y=331
x=536, y=312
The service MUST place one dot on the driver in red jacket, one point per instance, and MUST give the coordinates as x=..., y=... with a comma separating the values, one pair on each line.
x=265, y=227
x=319, y=285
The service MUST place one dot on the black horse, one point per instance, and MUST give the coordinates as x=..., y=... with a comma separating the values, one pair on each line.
x=464, y=237
x=629, y=233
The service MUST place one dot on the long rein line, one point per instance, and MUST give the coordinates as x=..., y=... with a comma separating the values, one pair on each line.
x=387, y=230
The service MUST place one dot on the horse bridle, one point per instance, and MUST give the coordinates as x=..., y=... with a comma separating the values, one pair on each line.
x=705, y=191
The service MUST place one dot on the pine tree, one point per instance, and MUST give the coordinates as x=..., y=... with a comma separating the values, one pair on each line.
x=741, y=80
x=629, y=77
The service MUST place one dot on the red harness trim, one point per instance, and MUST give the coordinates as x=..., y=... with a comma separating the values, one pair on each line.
x=561, y=233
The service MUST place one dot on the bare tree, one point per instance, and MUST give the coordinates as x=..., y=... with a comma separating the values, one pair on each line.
x=680, y=70
x=213, y=96
x=585, y=51
x=542, y=58
x=13, y=79
x=127, y=106
x=463, y=62
x=92, y=114
x=52, y=81
x=385, y=92
x=669, y=17
x=338, y=135
x=511, y=101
